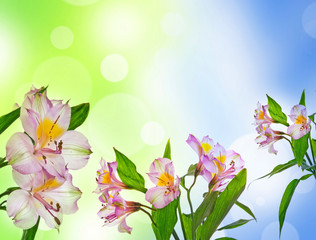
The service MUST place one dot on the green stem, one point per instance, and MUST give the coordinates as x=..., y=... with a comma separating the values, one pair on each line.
x=309, y=160
x=181, y=221
x=8, y=191
x=149, y=215
x=189, y=198
x=2, y=160
x=175, y=235
x=289, y=143
x=3, y=164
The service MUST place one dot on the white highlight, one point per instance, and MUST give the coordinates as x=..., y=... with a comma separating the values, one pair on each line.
x=172, y=24
x=62, y=37
x=272, y=232
x=309, y=20
x=152, y=133
x=114, y=68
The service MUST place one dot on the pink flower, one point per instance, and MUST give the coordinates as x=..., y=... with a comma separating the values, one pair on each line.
x=204, y=150
x=228, y=165
x=115, y=210
x=267, y=137
x=53, y=147
x=107, y=179
x=167, y=189
x=262, y=115
x=302, y=123
x=43, y=195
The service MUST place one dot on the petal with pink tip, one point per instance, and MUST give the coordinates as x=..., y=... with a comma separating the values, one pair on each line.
x=295, y=131
x=20, y=154
x=76, y=149
x=159, y=197
x=20, y=206
x=123, y=227
x=195, y=144
x=162, y=165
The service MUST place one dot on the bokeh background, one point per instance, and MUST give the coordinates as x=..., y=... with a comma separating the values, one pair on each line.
x=154, y=70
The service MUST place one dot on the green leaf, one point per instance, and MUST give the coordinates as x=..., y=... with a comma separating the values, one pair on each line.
x=286, y=198
x=223, y=204
x=127, y=171
x=276, y=113
x=8, y=119
x=300, y=148
x=165, y=219
x=246, y=209
x=226, y=238
x=187, y=224
x=280, y=168
x=204, y=210
x=312, y=118
x=167, y=153
x=238, y=223
x=313, y=143
x=29, y=234
x=79, y=114
x=302, y=101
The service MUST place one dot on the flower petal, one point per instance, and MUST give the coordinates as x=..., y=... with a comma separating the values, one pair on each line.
x=76, y=150
x=20, y=154
x=20, y=206
x=52, y=219
x=123, y=227
x=159, y=196
x=195, y=144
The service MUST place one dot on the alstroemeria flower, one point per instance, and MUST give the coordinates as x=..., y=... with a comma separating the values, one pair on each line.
x=228, y=165
x=115, y=210
x=167, y=188
x=107, y=179
x=262, y=115
x=43, y=195
x=54, y=148
x=302, y=123
x=204, y=150
x=267, y=137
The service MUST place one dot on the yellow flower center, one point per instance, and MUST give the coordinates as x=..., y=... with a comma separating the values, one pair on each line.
x=261, y=115
x=51, y=184
x=165, y=179
x=47, y=131
x=300, y=120
x=206, y=147
x=106, y=178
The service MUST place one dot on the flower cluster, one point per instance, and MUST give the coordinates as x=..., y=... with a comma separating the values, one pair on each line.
x=267, y=136
x=41, y=158
x=217, y=165
x=114, y=209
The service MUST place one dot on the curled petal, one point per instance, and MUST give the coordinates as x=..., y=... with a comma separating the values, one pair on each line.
x=21, y=207
x=54, y=164
x=75, y=150
x=20, y=154
x=195, y=144
x=123, y=227
x=159, y=197
x=209, y=164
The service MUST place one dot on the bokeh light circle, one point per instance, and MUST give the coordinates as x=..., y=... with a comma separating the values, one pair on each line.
x=81, y=2
x=305, y=186
x=116, y=121
x=309, y=20
x=152, y=133
x=66, y=77
x=114, y=67
x=271, y=231
x=62, y=37
x=172, y=24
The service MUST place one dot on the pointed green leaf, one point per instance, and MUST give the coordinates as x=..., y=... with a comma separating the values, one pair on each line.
x=223, y=204
x=8, y=119
x=246, y=209
x=238, y=223
x=204, y=210
x=280, y=168
x=286, y=199
x=79, y=114
x=312, y=118
x=29, y=234
x=127, y=171
x=302, y=101
x=165, y=219
x=187, y=224
x=313, y=143
x=300, y=148
x=276, y=113
x=167, y=153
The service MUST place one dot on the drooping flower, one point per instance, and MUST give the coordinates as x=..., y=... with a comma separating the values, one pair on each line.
x=167, y=188
x=262, y=115
x=52, y=147
x=107, y=179
x=115, y=210
x=302, y=123
x=204, y=150
x=267, y=137
x=228, y=165
x=43, y=195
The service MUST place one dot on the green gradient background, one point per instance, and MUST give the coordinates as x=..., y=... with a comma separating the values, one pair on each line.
x=28, y=56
